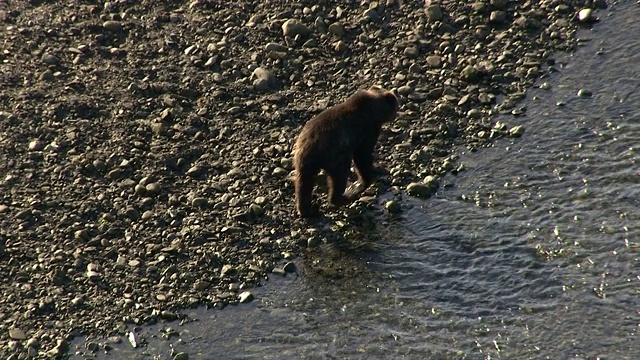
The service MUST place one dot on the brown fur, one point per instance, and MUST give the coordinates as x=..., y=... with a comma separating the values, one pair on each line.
x=333, y=138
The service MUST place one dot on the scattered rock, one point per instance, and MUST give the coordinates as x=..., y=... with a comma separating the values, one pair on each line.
x=245, y=297
x=336, y=29
x=264, y=79
x=584, y=93
x=292, y=28
x=392, y=206
x=112, y=25
x=434, y=13
x=516, y=131
x=17, y=334
x=50, y=59
x=424, y=189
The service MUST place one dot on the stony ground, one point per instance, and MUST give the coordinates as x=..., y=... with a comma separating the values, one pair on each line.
x=145, y=146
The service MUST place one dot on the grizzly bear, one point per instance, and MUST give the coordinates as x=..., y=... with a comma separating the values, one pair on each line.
x=333, y=138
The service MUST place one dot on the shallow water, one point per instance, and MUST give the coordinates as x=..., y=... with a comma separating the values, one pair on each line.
x=532, y=252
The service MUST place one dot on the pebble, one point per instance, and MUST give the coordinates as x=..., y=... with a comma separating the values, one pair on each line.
x=36, y=145
x=153, y=189
x=289, y=267
x=256, y=210
x=199, y=202
x=423, y=189
x=17, y=334
x=264, y=79
x=584, y=93
x=134, y=339
x=47, y=75
x=292, y=28
x=434, y=61
x=112, y=25
x=498, y=17
x=516, y=131
x=371, y=15
x=392, y=206
x=585, y=15
x=336, y=29
x=276, y=47
x=434, y=13
x=181, y=356
x=50, y=59
x=340, y=46
x=245, y=296
x=411, y=52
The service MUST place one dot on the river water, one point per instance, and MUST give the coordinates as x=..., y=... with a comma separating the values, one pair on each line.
x=532, y=252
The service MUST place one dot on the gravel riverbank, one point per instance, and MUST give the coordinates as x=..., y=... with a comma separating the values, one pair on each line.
x=146, y=145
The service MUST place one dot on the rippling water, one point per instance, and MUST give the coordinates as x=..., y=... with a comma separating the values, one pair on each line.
x=532, y=252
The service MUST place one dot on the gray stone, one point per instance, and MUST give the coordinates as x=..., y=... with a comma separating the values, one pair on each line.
x=424, y=189
x=263, y=79
x=245, y=297
x=336, y=29
x=17, y=334
x=434, y=61
x=584, y=93
x=112, y=25
x=434, y=13
x=276, y=47
x=50, y=59
x=371, y=15
x=516, y=131
x=498, y=17
x=181, y=356
x=585, y=15
x=392, y=206
x=293, y=28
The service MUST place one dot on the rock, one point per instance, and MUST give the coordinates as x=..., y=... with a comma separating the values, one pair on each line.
x=17, y=334
x=434, y=13
x=256, y=210
x=289, y=267
x=371, y=15
x=313, y=241
x=292, y=28
x=50, y=59
x=134, y=339
x=181, y=356
x=499, y=4
x=112, y=25
x=320, y=25
x=264, y=79
x=434, y=61
x=340, y=46
x=584, y=93
x=469, y=74
x=336, y=29
x=516, y=131
x=245, y=297
x=153, y=189
x=424, y=189
x=47, y=75
x=36, y=145
x=585, y=16
x=411, y=52
x=392, y=206
x=498, y=17
x=276, y=47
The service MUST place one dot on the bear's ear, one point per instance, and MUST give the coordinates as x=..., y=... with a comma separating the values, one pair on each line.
x=391, y=99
